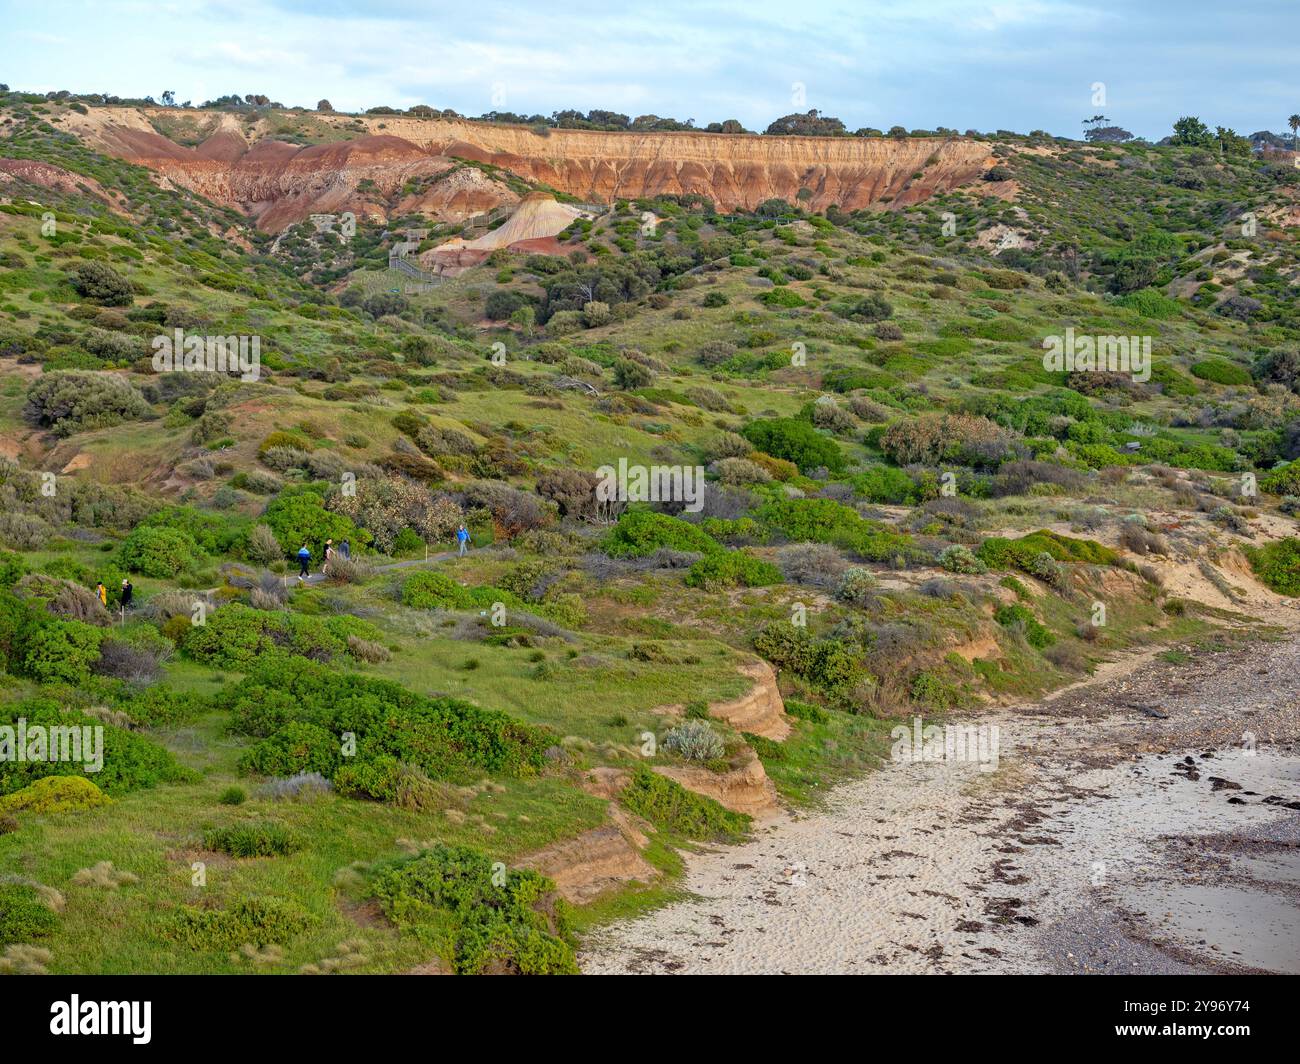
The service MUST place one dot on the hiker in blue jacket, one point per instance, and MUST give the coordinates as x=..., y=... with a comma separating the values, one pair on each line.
x=304, y=561
x=462, y=537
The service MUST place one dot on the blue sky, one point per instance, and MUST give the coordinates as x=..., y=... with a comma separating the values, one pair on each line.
x=1009, y=64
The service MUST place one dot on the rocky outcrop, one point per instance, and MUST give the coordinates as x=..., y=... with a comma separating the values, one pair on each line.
x=531, y=229
x=595, y=861
x=278, y=183
x=761, y=711
x=744, y=788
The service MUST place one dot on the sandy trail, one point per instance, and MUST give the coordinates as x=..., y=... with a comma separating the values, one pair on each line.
x=1109, y=838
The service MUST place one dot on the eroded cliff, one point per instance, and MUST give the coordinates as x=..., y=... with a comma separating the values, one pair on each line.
x=396, y=163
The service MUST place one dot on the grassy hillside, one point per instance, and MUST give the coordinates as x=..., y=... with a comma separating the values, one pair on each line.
x=904, y=513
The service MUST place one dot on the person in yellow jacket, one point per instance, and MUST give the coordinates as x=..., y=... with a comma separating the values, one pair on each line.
x=102, y=592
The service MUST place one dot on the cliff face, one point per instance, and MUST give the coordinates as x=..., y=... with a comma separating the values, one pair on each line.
x=278, y=183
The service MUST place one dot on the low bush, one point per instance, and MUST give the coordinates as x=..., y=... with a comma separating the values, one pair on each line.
x=1221, y=371
x=1019, y=618
x=255, y=839
x=295, y=747
x=386, y=779
x=518, y=927
x=960, y=559
x=827, y=663
x=70, y=402
x=795, y=441
x=249, y=921
x=642, y=532
x=732, y=569
x=130, y=761
x=54, y=794
x=694, y=740
x=444, y=737
x=998, y=552
x=233, y=796
x=827, y=521
x=158, y=552
x=1277, y=565
x=24, y=916
x=807, y=711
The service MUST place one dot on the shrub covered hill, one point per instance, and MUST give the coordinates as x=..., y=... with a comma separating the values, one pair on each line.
x=429, y=762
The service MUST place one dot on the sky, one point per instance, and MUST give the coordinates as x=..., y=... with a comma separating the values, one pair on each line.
x=965, y=64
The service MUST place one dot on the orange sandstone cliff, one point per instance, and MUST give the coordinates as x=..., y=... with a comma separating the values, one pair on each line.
x=278, y=183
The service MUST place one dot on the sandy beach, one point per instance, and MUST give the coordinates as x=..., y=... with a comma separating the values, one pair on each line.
x=1147, y=820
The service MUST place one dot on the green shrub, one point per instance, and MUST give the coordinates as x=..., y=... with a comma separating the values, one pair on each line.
x=1284, y=480
x=68, y=402
x=386, y=779
x=933, y=691
x=858, y=587
x=99, y=283
x=827, y=521
x=998, y=552
x=518, y=926
x=254, y=839
x=62, y=651
x=1221, y=371
x=444, y=737
x=296, y=747
x=23, y=915
x=670, y=806
x=795, y=441
x=827, y=663
x=1018, y=617
x=888, y=485
x=159, y=552
x=432, y=590
x=298, y=517
x=1277, y=565
x=696, y=710
x=237, y=636
x=54, y=794
x=249, y=921
x=960, y=559
x=131, y=761
x=1150, y=303
x=781, y=297
x=732, y=569
x=158, y=706
x=806, y=711
x=233, y=796
x=212, y=533
x=642, y=532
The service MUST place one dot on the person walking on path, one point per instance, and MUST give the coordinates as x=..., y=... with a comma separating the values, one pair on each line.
x=102, y=592
x=462, y=537
x=345, y=549
x=127, y=592
x=304, y=561
x=329, y=557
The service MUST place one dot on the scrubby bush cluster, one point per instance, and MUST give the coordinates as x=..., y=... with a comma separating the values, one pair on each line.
x=518, y=927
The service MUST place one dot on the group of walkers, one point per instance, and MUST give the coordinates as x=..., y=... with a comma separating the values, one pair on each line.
x=344, y=551
x=123, y=598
